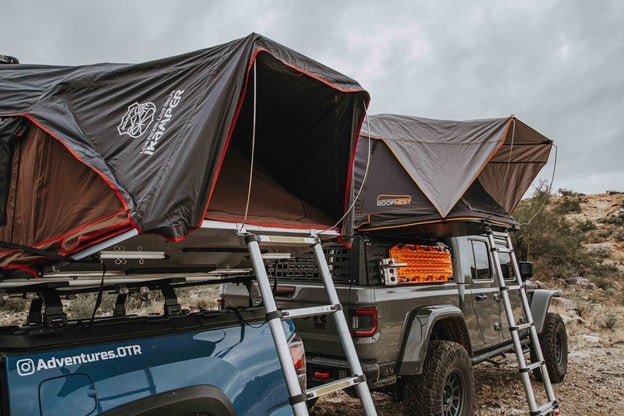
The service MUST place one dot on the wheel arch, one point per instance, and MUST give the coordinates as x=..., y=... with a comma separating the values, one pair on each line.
x=540, y=302
x=187, y=400
x=440, y=322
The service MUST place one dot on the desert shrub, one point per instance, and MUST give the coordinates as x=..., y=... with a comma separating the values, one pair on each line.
x=83, y=304
x=569, y=193
x=586, y=225
x=567, y=205
x=546, y=237
x=584, y=309
x=608, y=322
x=143, y=299
x=12, y=305
x=606, y=269
x=601, y=281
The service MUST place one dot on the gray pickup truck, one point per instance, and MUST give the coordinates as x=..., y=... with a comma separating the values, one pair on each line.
x=418, y=330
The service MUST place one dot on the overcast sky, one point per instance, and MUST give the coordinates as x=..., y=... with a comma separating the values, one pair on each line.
x=556, y=65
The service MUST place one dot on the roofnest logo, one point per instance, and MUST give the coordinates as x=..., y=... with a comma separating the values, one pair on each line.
x=393, y=200
x=141, y=118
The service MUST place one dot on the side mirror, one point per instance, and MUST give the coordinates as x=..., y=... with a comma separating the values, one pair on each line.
x=526, y=269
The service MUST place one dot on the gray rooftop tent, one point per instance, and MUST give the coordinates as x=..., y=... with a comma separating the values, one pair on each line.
x=441, y=175
x=90, y=152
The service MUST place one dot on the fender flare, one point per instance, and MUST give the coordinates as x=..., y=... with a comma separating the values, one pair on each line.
x=186, y=400
x=417, y=331
x=540, y=301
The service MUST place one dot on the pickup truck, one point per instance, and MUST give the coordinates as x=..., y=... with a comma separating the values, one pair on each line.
x=76, y=348
x=417, y=335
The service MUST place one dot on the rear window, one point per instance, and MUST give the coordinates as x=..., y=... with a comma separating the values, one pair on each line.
x=480, y=261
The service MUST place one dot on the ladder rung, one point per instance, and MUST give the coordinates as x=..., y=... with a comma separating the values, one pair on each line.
x=288, y=240
x=332, y=386
x=512, y=287
x=521, y=326
x=532, y=366
x=501, y=234
x=311, y=311
x=545, y=409
x=502, y=250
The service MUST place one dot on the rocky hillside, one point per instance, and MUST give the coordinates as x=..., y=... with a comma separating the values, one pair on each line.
x=606, y=212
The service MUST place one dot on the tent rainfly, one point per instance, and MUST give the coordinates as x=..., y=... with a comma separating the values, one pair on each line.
x=90, y=152
x=440, y=174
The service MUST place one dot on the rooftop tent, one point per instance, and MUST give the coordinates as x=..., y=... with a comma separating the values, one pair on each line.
x=412, y=171
x=90, y=152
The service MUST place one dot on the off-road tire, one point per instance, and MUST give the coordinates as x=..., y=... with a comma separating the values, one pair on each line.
x=446, y=385
x=554, y=343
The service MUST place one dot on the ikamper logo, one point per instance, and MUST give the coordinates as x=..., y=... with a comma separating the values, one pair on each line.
x=28, y=366
x=137, y=119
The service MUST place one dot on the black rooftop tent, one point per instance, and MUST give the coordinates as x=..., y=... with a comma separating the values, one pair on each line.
x=90, y=152
x=440, y=175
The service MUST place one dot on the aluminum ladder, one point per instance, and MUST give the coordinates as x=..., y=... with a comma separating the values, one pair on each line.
x=550, y=406
x=299, y=398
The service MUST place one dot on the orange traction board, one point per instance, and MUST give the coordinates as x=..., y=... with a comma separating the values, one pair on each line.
x=425, y=263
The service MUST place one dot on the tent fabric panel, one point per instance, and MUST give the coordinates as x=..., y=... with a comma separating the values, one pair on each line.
x=474, y=207
x=386, y=182
x=510, y=172
x=185, y=104
x=54, y=201
x=455, y=151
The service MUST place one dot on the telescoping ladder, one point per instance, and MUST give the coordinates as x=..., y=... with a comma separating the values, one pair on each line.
x=550, y=406
x=299, y=398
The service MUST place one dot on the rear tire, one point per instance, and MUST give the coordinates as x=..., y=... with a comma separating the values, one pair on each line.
x=554, y=343
x=446, y=385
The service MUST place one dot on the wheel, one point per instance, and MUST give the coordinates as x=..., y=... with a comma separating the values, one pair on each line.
x=446, y=385
x=554, y=343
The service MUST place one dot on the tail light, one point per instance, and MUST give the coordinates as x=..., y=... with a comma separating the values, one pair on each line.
x=297, y=352
x=363, y=322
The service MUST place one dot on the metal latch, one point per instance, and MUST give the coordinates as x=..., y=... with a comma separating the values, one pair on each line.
x=389, y=272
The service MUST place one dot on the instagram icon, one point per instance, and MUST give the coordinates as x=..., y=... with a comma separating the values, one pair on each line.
x=25, y=367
